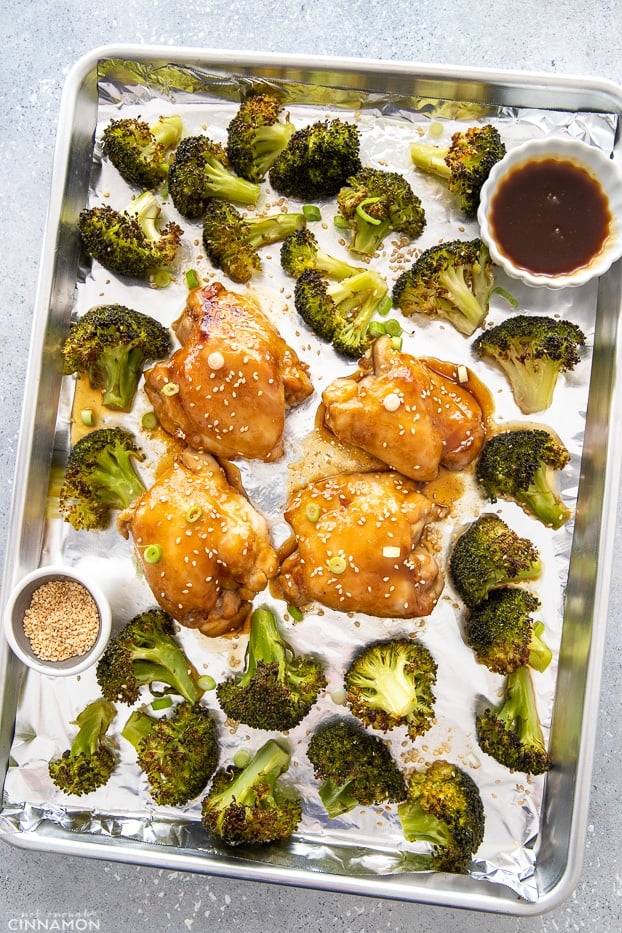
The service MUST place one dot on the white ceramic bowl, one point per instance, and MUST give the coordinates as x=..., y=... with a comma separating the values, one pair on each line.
x=598, y=165
x=19, y=601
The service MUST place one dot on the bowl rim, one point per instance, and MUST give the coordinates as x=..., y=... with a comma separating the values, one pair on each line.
x=54, y=668
x=596, y=161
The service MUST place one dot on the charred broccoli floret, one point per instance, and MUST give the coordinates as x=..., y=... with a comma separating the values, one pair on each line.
x=129, y=242
x=390, y=683
x=512, y=732
x=110, y=344
x=249, y=805
x=465, y=164
x=340, y=312
x=502, y=632
x=452, y=280
x=520, y=465
x=317, y=160
x=301, y=251
x=178, y=753
x=376, y=202
x=490, y=554
x=444, y=808
x=89, y=762
x=141, y=152
x=145, y=653
x=255, y=136
x=201, y=170
x=99, y=477
x=532, y=350
x=355, y=769
x=232, y=241
x=277, y=687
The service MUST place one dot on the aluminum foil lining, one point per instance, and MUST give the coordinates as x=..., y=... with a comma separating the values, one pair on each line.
x=367, y=840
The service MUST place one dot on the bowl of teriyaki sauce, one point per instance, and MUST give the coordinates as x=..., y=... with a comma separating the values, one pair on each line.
x=550, y=212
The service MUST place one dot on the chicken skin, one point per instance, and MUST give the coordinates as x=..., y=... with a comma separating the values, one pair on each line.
x=358, y=546
x=205, y=551
x=412, y=414
x=227, y=389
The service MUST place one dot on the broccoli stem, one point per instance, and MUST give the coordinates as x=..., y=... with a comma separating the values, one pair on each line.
x=264, y=768
x=519, y=712
x=93, y=721
x=263, y=231
x=115, y=479
x=146, y=210
x=452, y=279
x=228, y=186
x=337, y=798
x=430, y=159
x=419, y=826
x=264, y=644
x=542, y=500
x=167, y=130
x=123, y=368
x=137, y=727
x=540, y=655
x=367, y=237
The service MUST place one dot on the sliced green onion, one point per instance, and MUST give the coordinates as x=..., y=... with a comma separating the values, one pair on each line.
x=360, y=210
x=152, y=553
x=312, y=511
x=193, y=514
x=149, y=420
x=87, y=417
x=295, y=613
x=393, y=328
x=241, y=758
x=436, y=129
x=337, y=565
x=169, y=389
x=511, y=300
x=376, y=329
x=162, y=703
x=311, y=212
x=397, y=342
x=385, y=306
x=207, y=682
x=192, y=279
x=162, y=278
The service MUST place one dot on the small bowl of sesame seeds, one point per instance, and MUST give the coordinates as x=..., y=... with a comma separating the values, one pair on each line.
x=56, y=621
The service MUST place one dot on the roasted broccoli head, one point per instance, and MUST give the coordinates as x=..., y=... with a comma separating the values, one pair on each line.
x=277, y=687
x=317, y=160
x=141, y=152
x=100, y=477
x=130, y=242
x=177, y=753
x=444, y=808
x=201, y=170
x=90, y=761
x=521, y=465
x=249, y=805
x=255, y=136
x=354, y=768
x=390, y=683
x=232, y=241
x=146, y=653
x=465, y=164
x=532, y=350
x=503, y=634
x=512, y=731
x=452, y=280
x=340, y=312
x=376, y=202
x=490, y=554
x=111, y=344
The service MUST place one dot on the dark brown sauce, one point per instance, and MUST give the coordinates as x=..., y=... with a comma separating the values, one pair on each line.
x=550, y=216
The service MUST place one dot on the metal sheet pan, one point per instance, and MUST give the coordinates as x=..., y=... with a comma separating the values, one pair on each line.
x=345, y=83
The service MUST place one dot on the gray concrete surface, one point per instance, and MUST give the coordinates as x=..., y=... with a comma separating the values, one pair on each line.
x=40, y=41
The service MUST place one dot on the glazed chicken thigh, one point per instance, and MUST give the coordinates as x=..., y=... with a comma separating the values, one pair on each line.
x=205, y=551
x=358, y=546
x=412, y=414
x=227, y=389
